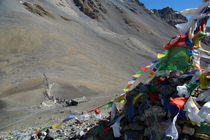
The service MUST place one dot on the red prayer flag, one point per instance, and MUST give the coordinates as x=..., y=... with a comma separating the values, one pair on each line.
x=97, y=110
x=203, y=70
x=179, y=102
x=161, y=80
x=90, y=111
x=37, y=132
x=145, y=68
x=153, y=97
x=106, y=130
x=130, y=85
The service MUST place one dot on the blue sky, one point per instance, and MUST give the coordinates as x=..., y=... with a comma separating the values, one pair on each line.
x=177, y=5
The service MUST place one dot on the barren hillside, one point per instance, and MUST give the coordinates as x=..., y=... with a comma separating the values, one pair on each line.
x=88, y=47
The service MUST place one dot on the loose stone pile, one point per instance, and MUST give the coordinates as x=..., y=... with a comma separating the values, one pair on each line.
x=149, y=109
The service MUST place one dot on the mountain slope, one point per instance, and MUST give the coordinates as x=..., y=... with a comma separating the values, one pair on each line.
x=89, y=48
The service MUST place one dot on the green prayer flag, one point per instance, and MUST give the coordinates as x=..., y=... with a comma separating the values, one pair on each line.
x=45, y=128
x=140, y=72
x=192, y=86
x=201, y=49
x=165, y=52
x=176, y=59
x=108, y=105
x=205, y=128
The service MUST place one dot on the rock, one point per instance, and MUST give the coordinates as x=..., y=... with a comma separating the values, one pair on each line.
x=81, y=133
x=170, y=16
x=73, y=129
x=188, y=130
x=33, y=137
x=42, y=134
x=163, y=125
x=86, y=129
x=62, y=111
x=134, y=126
x=133, y=135
x=184, y=137
x=206, y=40
x=50, y=134
x=81, y=100
x=92, y=8
x=71, y=103
x=61, y=135
x=37, y=9
x=157, y=111
x=202, y=136
x=176, y=74
x=167, y=89
x=174, y=82
x=58, y=131
x=48, y=138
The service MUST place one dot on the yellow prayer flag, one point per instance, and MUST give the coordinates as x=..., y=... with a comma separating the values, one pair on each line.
x=160, y=55
x=137, y=97
x=12, y=138
x=137, y=75
x=125, y=89
x=90, y=138
x=119, y=99
x=57, y=125
x=195, y=123
x=123, y=101
x=149, y=76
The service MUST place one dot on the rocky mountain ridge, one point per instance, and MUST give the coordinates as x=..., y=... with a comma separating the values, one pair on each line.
x=170, y=16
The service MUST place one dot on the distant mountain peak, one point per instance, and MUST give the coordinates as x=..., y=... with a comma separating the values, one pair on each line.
x=170, y=16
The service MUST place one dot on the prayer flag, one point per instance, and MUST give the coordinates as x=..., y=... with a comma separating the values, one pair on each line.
x=179, y=102
x=130, y=85
x=140, y=72
x=57, y=125
x=172, y=131
x=155, y=61
x=137, y=75
x=125, y=89
x=145, y=68
x=90, y=138
x=137, y=97
x=119, y=99
x=106, y=130
x=153, y=97
x=160, y=55
x=108, y=105
x=131, y=82
x=134, y=78
x=69, y=118
x=97, y=110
